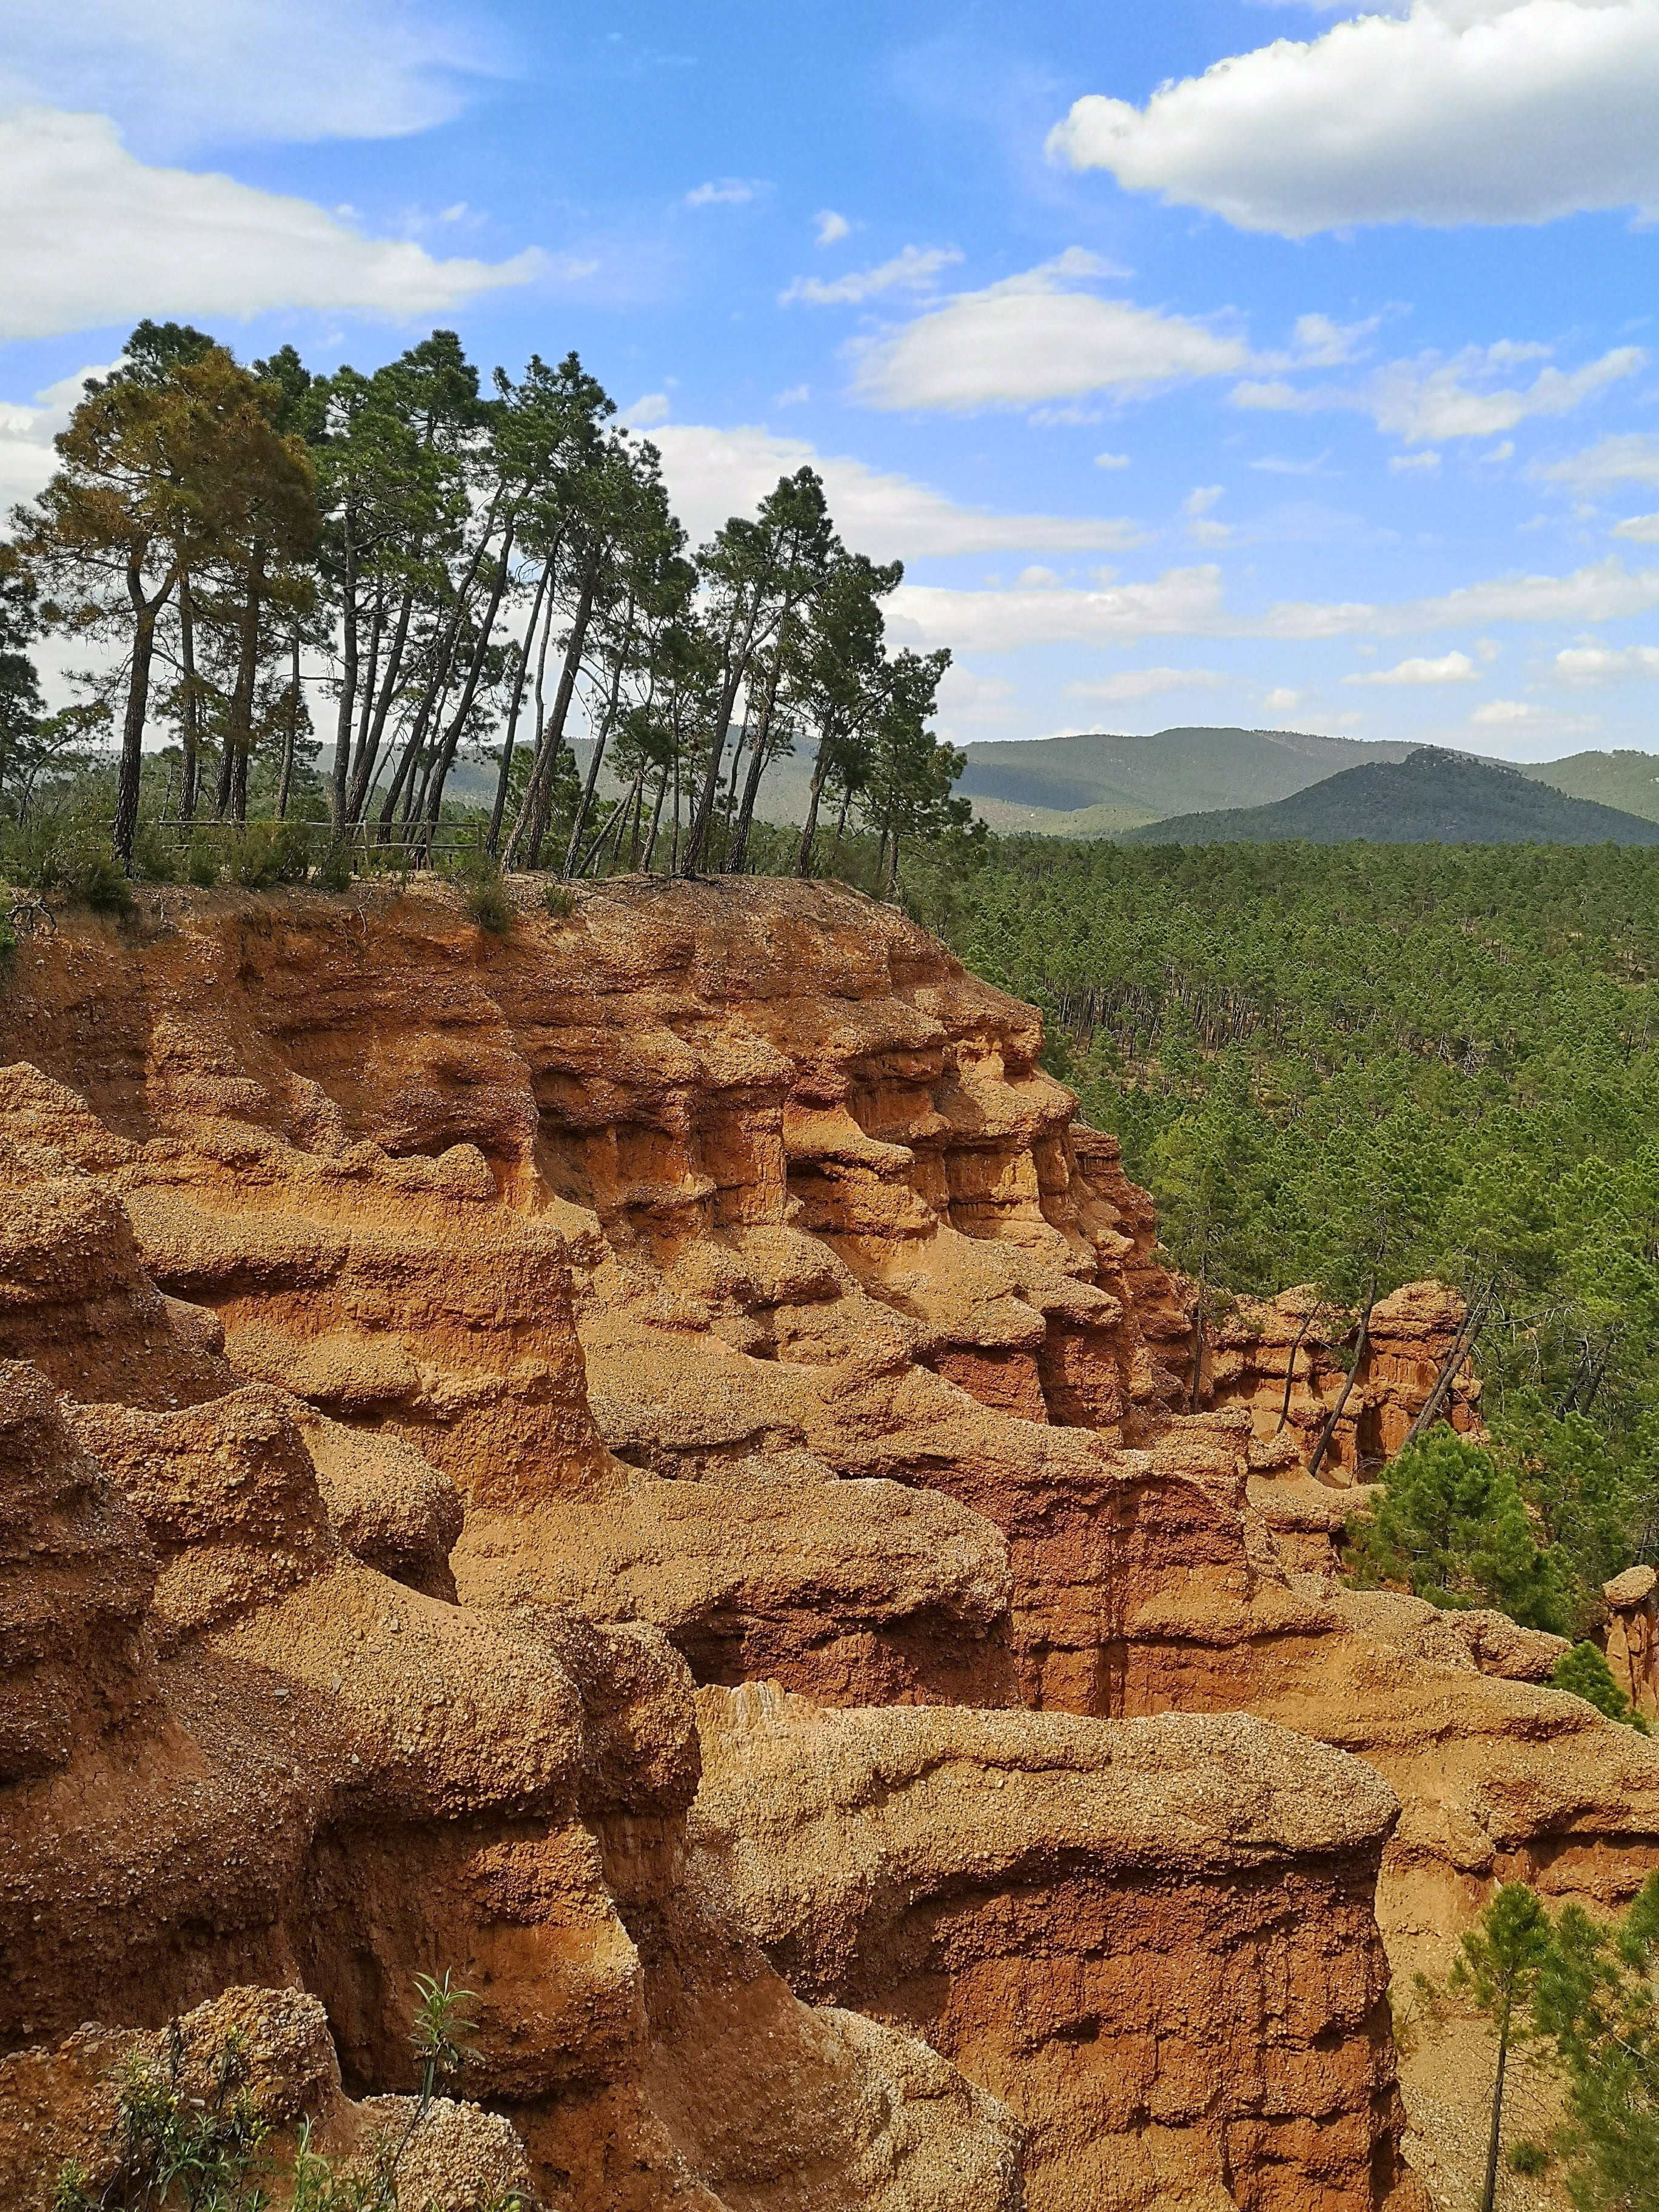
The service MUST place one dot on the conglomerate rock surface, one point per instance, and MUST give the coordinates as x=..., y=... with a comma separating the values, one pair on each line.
x=444, y=1369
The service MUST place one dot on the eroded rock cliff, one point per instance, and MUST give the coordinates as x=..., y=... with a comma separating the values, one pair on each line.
x=437, y=1356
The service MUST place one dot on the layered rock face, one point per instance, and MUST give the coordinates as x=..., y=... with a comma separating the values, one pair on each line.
x=437, y=1356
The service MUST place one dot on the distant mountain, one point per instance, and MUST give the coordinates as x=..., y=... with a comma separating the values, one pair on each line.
x=1430, y=798
x=1626, y=779
x=1093, y=784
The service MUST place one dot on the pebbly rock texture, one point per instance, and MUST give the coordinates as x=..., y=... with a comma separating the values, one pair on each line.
x=1153, y=1938
x=1632, y=1637
x=445, y=1353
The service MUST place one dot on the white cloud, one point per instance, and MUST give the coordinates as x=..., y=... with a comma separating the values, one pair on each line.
x=1430, y=398
x=965, y=697
x=1111, y=460
x=1498, y=713
x=1182, y=601
x=1599, y=664
x=1190, y=602
x=713, y=473
x=831, y=228
x=1282, y=701
x=194, y=73
x=1036, y=337
x=1451, y=111
x=1424, y=464
x=1318, y=343
x=912, y=270
x=726, y=191
x=1644, y=528
x=1277, y=464
x=796, y=395
x=27, y=458
x=1200, y=527
x=1604, y=591
x=1628, y=457
x=649, y=409
x=1451, y=668
x=1143, y=683
x=90, y=237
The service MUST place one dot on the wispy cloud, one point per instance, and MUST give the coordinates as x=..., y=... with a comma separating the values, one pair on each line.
x=726, y=191
x=830, y=227
x=912, y=270
x=1144, y=683
x=1465, y=397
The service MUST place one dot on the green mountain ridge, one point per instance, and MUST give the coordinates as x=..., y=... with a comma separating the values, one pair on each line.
x=1433, y=797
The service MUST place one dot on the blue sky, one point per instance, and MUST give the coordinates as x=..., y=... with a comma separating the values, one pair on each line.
x=1212, y=361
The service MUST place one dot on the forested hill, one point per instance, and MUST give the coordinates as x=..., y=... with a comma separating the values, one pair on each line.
x=1093, y=783
x=1352, y=1065
x=1430, y=798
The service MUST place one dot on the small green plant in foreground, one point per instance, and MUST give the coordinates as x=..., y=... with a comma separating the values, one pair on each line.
x=560, y=901
x=176, y=2153
x=489, y=905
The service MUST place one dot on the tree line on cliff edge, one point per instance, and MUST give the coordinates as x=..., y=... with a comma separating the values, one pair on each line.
x=1351, y=1066
x=480, y=572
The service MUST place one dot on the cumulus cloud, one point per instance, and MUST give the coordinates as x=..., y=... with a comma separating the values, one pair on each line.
x=1143, y=683
x=1039, y=336
x=1498, y=713
x=830, y=227
x=713, y=473
x=1451, y=668
x=1282, y=701
x=214, y=72
x=1625, y=457
x=912, y=270
x=1111, y=460
x=1602, y=664
x=1451, y=111
x=1428, y=397
x=90, y=236
x=1644, y=528
x=725, y=191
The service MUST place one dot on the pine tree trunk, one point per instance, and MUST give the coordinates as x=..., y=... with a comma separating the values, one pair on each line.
x=1349, y=1380
x=132, y=727
x=530, y=827
x=493, y=834
x=290, y=736
x=190, y=719
x=346, y=717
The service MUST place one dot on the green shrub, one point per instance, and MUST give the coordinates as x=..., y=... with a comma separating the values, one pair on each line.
x=1584, y=1672
x=201, y=863
x=1528, y=2157
x=489, y=905
x=560, y=901
x=155, y=855
x=266, y=852
x=334, y=869
x=1453, y=1527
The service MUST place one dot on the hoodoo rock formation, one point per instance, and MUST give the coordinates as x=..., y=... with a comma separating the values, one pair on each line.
x=649, y=1463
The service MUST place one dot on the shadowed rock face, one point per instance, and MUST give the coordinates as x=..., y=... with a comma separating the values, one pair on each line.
x=438, y=1355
